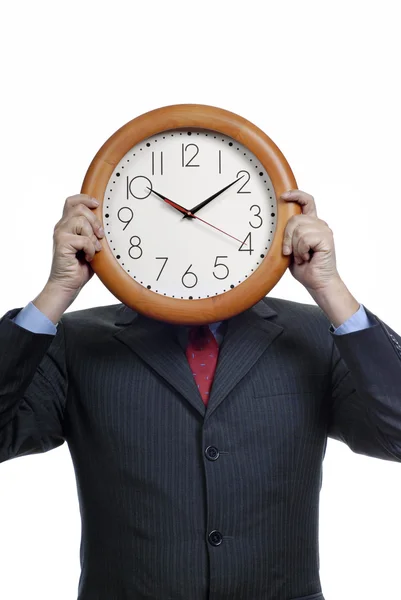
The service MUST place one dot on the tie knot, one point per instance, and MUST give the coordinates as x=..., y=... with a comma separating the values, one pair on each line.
x=198, y=334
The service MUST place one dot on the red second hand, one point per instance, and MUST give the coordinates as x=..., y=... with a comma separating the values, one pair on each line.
x=187, y=212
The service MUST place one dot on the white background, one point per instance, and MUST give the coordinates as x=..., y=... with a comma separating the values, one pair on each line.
x=322, y=80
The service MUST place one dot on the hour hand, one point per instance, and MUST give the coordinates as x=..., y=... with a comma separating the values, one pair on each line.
x=202, y=204
x=178, y=207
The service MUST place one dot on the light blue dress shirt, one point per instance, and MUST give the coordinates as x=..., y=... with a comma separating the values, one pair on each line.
x=34, y=320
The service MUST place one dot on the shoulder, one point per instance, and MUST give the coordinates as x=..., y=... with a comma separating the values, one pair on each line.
x=100, y=317
x=289, y=311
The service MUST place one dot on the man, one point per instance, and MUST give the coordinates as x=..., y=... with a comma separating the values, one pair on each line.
x=184, y=497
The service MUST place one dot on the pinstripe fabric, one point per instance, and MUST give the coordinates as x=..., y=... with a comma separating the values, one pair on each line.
x=157, y=471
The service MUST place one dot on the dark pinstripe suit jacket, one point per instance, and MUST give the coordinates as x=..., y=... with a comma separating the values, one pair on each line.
x=183, y=502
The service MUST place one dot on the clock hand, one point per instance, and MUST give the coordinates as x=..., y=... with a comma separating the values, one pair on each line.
x=173, y=204
x=202, y=204
x=190, y=214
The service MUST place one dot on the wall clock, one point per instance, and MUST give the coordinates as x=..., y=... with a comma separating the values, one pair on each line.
x=190, y=203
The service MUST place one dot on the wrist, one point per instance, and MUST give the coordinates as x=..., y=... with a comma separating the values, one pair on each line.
x=336, y=301
x=53, y=301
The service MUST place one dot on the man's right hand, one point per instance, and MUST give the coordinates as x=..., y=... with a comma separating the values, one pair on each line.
x=77, y=231
x=75, y=242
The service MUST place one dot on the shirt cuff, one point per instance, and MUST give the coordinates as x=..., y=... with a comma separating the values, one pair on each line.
x=34, y=320
x=356, y=322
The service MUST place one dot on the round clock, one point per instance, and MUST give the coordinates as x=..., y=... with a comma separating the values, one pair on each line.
x=190, y=204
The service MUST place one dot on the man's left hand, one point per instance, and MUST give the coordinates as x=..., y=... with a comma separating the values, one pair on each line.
x=311, y=241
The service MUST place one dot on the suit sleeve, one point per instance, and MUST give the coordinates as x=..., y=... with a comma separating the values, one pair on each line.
x=365, y=410
x=33, y=389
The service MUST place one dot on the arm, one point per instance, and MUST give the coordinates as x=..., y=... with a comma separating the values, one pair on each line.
x=364, y=400
x=33, y=372
x=33, y=388
x=365, y=404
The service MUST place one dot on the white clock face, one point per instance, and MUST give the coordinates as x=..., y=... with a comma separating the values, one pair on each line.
x=180, y=256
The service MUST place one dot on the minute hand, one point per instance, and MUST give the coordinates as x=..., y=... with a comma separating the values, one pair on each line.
x=202, y=204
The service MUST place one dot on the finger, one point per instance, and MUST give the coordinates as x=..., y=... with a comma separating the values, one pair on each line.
x=292, y=224
x=81, y=209
x=305, y=241
x=78, y=242
x=85, y=199
x=301, y=244
x=306, y=201
x=79, y=226
x=308, y=234
x=85, y=243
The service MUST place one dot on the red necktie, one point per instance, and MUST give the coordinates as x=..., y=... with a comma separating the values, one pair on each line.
x=202, y=352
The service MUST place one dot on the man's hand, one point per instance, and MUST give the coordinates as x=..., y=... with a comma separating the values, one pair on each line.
x=311, y=241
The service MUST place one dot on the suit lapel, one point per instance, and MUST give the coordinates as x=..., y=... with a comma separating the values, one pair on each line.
x=155, y=342
x=247, y=336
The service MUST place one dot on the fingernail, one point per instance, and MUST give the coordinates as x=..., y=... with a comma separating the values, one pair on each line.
x=286, y=195
x=101, y=231
x=98, y=245
x=286, y=250
x=95, y=202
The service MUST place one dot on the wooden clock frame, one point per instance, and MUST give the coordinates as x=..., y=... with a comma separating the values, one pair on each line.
x=262, y=280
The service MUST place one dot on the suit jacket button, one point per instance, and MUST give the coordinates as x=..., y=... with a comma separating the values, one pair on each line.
x=212, y=453
x=215, y=537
